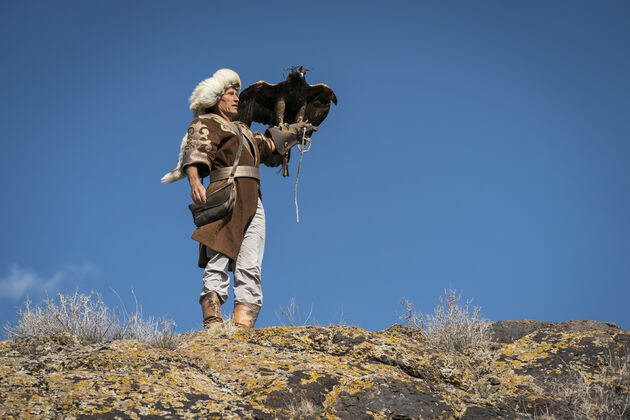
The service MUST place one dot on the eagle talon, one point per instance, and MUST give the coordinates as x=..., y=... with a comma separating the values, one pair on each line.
x=285, y=164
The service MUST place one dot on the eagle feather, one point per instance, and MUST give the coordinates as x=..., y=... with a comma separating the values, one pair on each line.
x=287, y=102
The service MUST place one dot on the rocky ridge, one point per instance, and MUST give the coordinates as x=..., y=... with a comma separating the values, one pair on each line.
x=532, y=370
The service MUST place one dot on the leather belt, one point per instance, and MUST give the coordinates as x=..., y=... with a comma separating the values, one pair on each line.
x=241, y=172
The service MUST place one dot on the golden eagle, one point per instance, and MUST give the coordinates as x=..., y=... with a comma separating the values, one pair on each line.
x=287, y=102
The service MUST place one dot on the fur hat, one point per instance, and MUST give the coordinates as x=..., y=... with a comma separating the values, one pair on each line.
x=209, y=92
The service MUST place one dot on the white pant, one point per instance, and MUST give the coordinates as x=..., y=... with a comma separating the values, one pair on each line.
x=247, y=287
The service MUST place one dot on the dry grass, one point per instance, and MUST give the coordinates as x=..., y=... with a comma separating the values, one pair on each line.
x=155, y=332
x=451, y=328
x=606, y=399
x=290, y=315
x=304, y=408
x=225, y=329
x=540, y=414
x=88, y=318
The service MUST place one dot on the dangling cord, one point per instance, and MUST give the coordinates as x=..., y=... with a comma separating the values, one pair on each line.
x=304, y=146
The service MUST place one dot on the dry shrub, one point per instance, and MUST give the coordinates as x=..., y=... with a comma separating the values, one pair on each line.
x=85, y=316
x=88, y=318
x=451, y=328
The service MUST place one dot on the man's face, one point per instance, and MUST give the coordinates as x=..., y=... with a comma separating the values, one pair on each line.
x=228, y=105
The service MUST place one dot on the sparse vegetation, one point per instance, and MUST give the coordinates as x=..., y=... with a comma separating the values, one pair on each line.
x=304, y=408
x=225, y=329
x=599, y=400
x=290, y=315
x=451, y=327
x=540, y=414
x=155, y=332
x=88, y=318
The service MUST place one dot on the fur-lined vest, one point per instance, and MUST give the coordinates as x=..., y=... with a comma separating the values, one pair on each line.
x=212, y=144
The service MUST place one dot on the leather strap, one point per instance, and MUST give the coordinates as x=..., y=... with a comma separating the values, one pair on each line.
x=241, y=171
x=238, y=154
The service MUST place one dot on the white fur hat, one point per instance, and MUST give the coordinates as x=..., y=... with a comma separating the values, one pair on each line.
x=208, y=92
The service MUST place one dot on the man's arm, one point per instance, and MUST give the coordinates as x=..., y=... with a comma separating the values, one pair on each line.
x=199, y=154
x=197, y=190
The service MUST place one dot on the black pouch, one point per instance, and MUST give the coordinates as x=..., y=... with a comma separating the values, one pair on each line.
x=219, y=204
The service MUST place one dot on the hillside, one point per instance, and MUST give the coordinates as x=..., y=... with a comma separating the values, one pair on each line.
x=532, y=370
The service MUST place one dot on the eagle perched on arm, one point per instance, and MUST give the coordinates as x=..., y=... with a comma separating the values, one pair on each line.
x=287, y=102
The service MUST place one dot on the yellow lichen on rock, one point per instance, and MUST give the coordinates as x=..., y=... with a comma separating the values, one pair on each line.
x=309, y=372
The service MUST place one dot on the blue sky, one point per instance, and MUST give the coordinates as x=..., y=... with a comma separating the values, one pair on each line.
x=479, y=145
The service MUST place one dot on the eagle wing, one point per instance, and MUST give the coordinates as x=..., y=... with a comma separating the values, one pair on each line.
x=318, y=99
x=257, y=103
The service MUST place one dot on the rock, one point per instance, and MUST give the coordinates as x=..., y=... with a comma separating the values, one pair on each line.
x=533, y=370
x=494, y=381
x=510, y=331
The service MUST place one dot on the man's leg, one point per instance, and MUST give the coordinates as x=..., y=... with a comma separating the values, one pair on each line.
x=215, y=287
x=247, y=272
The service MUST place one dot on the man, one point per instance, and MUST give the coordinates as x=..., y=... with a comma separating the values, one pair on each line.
x=236, y=242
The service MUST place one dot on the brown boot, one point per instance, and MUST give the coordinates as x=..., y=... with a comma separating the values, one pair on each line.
x=211, y=309
x=245, y=314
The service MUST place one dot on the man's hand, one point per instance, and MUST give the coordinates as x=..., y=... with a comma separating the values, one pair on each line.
x=198, y=193
x=197, y=190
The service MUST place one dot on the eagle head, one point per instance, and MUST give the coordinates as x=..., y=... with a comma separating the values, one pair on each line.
x=296, y=73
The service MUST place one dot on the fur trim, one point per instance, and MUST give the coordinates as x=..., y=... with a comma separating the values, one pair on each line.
x=208, y=92
x=177, y=173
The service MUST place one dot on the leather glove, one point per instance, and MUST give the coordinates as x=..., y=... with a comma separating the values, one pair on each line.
x=286, y=136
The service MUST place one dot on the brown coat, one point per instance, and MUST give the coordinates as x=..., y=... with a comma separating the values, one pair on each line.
x=212, y=143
